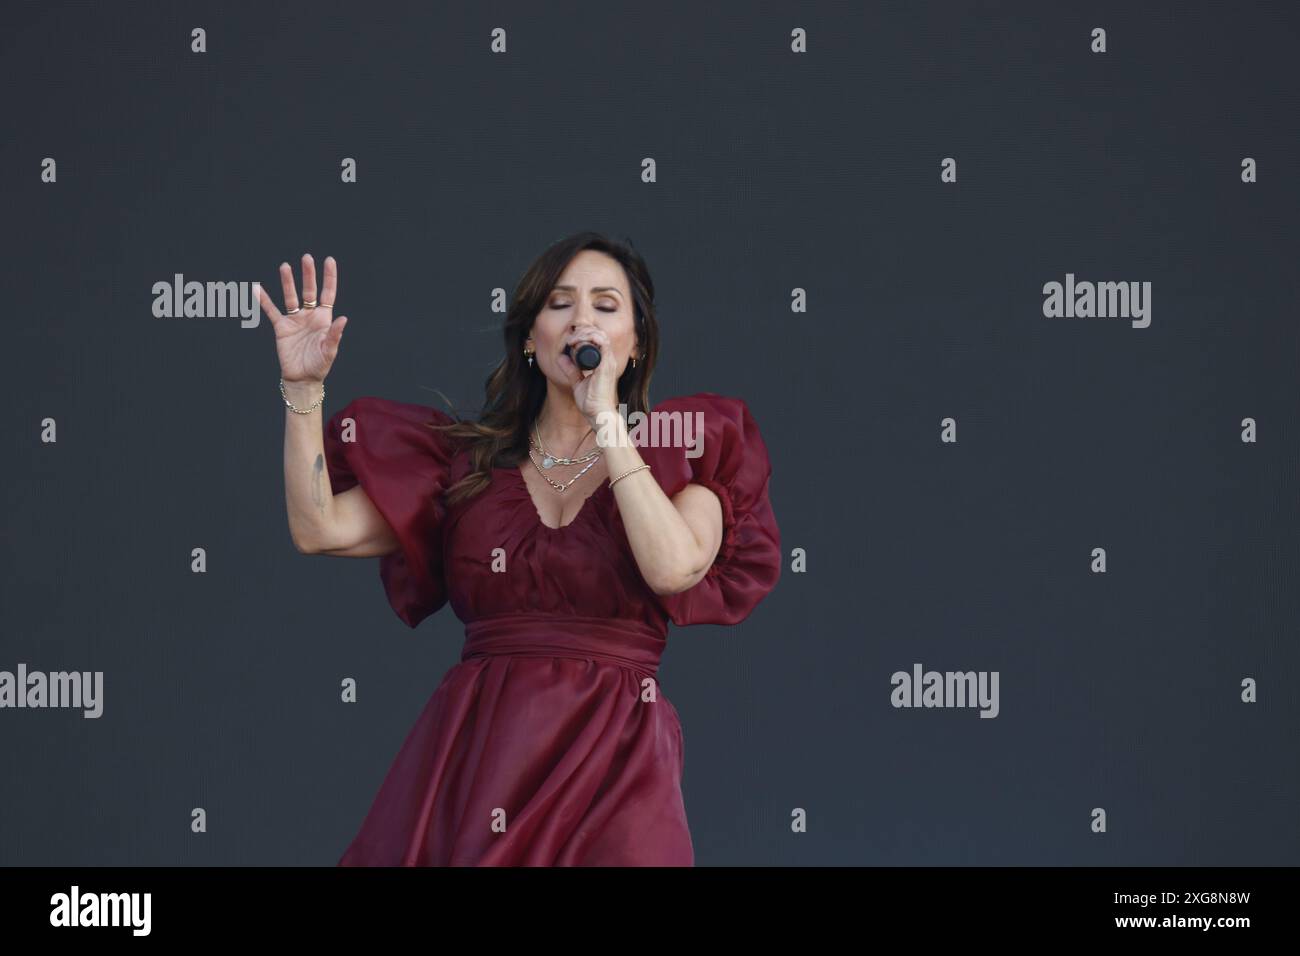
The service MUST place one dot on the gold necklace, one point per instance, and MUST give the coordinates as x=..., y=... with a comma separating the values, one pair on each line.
x=556, y=485
x=550, y=461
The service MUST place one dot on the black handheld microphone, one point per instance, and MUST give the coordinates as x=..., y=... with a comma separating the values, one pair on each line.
x=588, y=356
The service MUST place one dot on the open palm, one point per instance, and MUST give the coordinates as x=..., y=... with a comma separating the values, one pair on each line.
x=307, y=334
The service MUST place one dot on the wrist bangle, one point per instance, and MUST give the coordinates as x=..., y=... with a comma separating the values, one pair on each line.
x=302, y=411
x=626, y=473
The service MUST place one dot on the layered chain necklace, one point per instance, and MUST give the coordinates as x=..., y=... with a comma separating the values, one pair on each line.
x=550, y=461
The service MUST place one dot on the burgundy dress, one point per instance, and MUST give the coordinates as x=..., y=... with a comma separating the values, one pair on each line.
x=550, y=742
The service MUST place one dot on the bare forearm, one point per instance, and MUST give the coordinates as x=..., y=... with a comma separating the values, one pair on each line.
x=309, y=498
x=666, y=549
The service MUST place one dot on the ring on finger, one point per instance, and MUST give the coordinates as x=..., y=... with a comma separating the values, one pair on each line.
x=309, y=303
x=292, y=311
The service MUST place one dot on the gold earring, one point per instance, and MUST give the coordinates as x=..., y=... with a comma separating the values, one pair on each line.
x=529, y=353
x=634, y=361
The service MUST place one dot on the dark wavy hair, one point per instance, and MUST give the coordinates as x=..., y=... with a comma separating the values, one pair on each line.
x=515, y=391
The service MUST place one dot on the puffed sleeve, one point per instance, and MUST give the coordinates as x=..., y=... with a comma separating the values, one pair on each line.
x=731, y=461
x=403, y=466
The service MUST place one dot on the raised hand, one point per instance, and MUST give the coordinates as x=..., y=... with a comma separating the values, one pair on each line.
x=307, y=335
x=595, y=391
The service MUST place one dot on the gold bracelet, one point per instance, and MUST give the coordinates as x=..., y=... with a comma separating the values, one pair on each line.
x=626, y=473
x=302, y=411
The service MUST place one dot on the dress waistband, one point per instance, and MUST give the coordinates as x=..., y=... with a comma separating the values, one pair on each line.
x=620, y=641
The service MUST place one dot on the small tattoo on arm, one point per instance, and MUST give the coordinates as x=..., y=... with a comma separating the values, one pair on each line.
x=317, y=494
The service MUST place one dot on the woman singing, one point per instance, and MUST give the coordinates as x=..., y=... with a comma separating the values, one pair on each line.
x=562, y=541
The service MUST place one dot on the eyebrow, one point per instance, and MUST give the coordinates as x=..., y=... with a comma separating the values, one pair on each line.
x=603, y=288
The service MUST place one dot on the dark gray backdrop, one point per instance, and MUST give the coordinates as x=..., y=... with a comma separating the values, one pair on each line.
x=775, y=171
